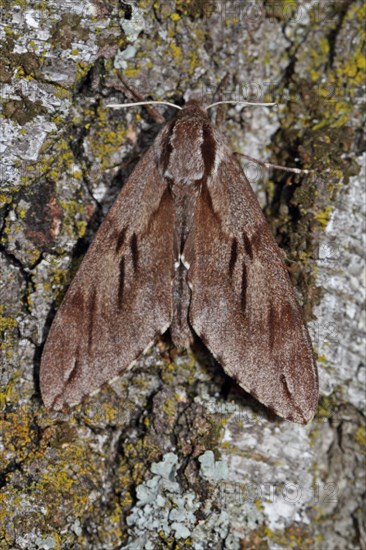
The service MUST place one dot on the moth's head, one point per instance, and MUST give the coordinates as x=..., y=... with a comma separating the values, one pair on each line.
x=193, y=107
x=194, y=104
x=187, y=148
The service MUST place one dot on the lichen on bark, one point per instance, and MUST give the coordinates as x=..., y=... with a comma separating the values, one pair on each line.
x=174, y=455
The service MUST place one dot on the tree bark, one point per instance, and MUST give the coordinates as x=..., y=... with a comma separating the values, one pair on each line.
x=174, y=454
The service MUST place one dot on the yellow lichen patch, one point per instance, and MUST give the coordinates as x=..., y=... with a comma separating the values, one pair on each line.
x=132, y=72
x=5, y=199
x=327, y=406
x=194, y=62
x=68, y=479
x=259, y=506
x=9, y=394
x=292, y=537
x=137, y=456
x=8, y=331
x=22, y=212
x=360, y=437
x=176, y=51
x=7, y=323
x=104, y=141
x=72, y=212
x=104, y=414
x=168, y=374
x=17, y=433
x=110, y=532
x=324, y=217
x=170, y=408
x=342, y=80
x=143, y=4
x=81, y=226
x=59, y=161
x=324, y=45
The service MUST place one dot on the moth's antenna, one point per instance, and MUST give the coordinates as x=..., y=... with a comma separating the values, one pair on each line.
x=241, y=103
x=135, y=104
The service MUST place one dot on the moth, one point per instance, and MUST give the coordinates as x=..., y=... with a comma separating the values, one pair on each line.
x=184, y=247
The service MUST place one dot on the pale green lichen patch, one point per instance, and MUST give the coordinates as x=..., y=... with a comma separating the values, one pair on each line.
x=211, y=469
x=161, y=506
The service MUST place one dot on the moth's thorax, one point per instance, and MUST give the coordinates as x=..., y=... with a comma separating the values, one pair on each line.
x=187, y=149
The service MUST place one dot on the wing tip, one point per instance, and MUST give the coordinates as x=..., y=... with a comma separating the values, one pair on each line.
x=56, y=396
x=295, y=413
x=303, y=418
x=53, y=401
x=300, y=411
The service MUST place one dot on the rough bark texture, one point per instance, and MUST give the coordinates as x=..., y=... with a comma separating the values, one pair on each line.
x=174, y=455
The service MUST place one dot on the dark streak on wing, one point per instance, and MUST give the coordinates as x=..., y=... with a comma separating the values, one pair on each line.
x=181, y=282
x=134, y=252
x=208, y=149
x=206, y=197
x=247, y=246
x=120, y=240
x=121, y=282
x=233, y=256
x=244, y=286
x=75, y=369
x=285, y=385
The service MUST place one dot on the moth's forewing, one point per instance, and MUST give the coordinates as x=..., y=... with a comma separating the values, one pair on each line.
x=120, y=299
x=243, y=305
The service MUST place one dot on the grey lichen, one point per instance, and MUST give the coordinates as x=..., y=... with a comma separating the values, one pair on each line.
x=163, y=509
x=162, y=505
x=211, y=469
